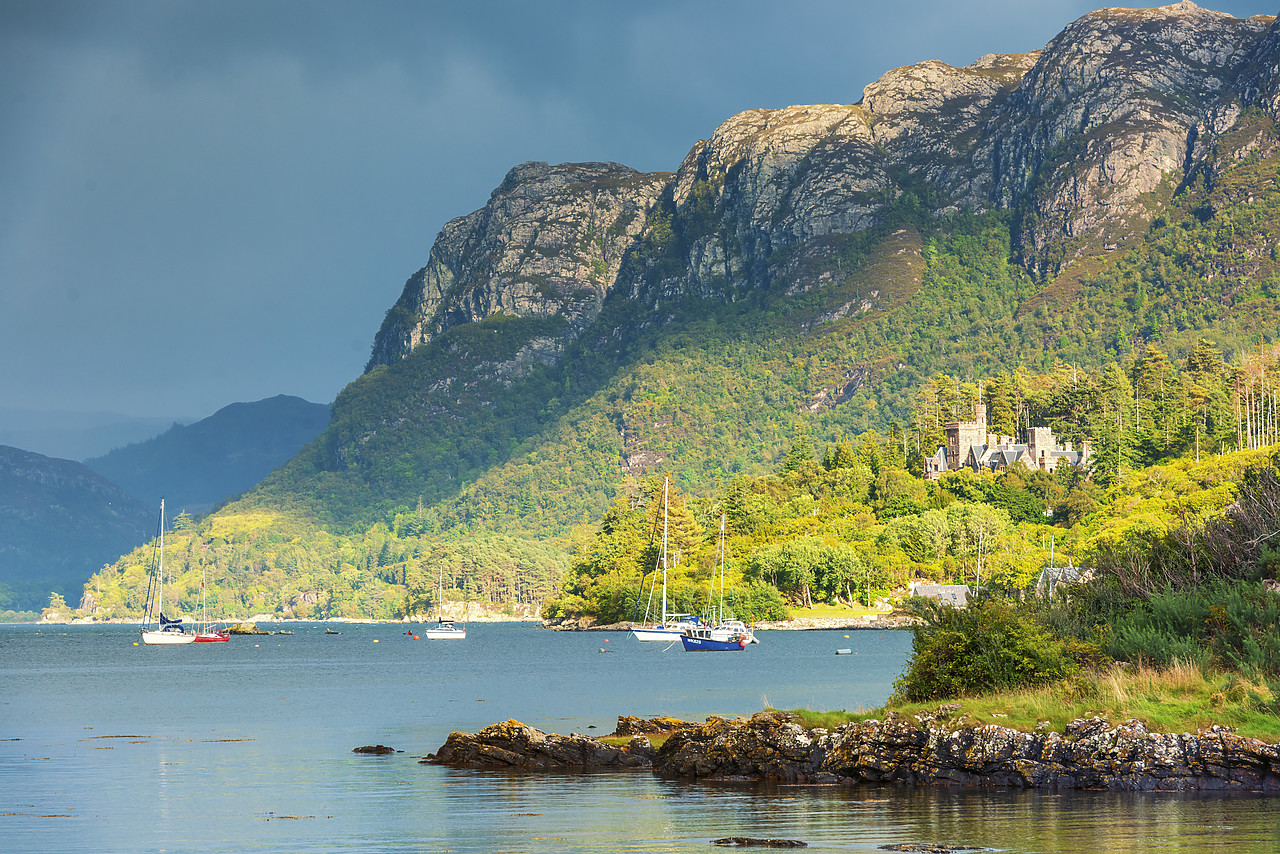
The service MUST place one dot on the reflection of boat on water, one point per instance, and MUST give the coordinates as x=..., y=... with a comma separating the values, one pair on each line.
x=672, y=625
x=444, y=628
x=725, y=635
x=157, y=629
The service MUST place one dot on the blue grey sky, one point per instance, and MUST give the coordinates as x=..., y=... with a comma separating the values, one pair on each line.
x=210, y=202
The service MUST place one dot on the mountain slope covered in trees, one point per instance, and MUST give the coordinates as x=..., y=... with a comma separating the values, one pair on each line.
x=1105, y=207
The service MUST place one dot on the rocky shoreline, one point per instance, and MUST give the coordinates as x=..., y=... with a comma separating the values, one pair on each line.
x=799, y=624
x=921, y=750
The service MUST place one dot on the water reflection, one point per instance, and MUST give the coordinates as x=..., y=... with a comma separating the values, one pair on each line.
x=247, y=748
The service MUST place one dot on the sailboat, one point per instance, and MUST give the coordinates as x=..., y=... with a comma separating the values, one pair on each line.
x=444, y=629
x=725, y=635
x=672, y=625
x=157, y=629
x=206, y=632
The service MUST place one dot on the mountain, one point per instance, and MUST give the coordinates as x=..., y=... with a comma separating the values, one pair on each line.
x=195, y=466
x=59, y=523
x=1113, y=189
x=805, y=271
x=76, y=435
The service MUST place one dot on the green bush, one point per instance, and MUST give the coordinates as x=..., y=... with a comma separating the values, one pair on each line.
x=1221, y=624
x=991, y=645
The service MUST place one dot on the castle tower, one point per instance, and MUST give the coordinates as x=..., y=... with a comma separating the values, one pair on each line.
x=964, y=435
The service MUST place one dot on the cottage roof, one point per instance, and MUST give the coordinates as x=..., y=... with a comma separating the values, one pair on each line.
x=952, y=594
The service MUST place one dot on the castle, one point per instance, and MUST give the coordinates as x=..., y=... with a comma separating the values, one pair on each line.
x=969, y=445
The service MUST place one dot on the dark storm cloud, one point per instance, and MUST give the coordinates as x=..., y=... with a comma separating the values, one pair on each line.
x=217, y=201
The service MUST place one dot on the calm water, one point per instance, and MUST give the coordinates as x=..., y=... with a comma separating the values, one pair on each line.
x=246, y=747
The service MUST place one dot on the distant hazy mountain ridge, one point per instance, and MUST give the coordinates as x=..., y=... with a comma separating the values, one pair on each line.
x=59, y=522
x=197, y=465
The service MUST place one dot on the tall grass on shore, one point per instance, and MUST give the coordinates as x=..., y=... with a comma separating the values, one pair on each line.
x=1180, y=698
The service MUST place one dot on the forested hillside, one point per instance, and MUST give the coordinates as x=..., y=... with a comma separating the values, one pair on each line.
x=814, y=272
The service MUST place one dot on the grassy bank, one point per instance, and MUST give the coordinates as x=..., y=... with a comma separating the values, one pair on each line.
x=1181, y=698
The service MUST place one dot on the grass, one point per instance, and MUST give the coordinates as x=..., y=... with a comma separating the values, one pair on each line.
x=1179, y=699
x=656, y=739
x=822, y=610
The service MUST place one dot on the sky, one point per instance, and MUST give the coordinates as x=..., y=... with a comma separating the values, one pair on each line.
x=210, y=202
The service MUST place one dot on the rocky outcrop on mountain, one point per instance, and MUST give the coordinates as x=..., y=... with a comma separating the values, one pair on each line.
x=923, y=750
x=1085, y=138
x=549, y=243
x=1113, y=107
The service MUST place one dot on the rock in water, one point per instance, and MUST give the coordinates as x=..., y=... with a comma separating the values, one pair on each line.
x=751, y=842
x=516, y=745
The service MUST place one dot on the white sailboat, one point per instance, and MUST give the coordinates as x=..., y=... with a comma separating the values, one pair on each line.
x=157, y=629
x=444, y=629
x=672, y=625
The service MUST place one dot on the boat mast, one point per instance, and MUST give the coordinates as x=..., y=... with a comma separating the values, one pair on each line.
x=665, y=481
x=160, y=588
x=720, y=615
x=440, y=595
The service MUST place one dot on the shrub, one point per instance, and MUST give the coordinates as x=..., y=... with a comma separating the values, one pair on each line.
x=991, y=645
x=1232, y=626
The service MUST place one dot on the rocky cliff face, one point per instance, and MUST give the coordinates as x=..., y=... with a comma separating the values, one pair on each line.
x=549, y=243
x=1115, y=105
x=1086, y=139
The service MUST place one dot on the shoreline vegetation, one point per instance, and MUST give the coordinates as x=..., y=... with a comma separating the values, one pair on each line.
x=820, y=618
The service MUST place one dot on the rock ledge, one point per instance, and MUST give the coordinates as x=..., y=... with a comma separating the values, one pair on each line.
x=923, y=750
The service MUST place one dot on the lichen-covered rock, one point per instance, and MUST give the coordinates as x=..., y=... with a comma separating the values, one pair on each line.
x=631, y=725
x=768, y=746
x=515, y=745
x=1088, y=754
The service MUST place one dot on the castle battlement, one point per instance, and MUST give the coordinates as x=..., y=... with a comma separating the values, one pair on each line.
x=970, y=446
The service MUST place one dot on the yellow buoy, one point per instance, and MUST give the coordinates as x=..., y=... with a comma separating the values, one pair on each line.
x=375, y=640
